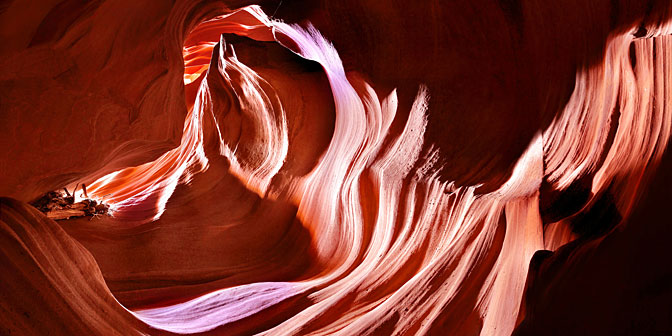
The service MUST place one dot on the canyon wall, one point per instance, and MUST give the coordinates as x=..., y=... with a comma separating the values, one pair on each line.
x=337, y=167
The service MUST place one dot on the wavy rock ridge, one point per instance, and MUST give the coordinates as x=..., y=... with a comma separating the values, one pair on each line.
x=306, y=197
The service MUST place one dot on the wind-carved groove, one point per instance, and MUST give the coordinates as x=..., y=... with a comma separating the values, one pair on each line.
x=222, y=234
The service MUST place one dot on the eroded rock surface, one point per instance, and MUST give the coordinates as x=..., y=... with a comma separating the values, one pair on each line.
x=350, y=167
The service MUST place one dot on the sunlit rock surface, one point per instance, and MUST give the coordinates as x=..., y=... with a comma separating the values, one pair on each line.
x=351, y=167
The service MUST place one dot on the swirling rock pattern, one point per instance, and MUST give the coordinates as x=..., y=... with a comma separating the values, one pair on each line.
x=352, y=168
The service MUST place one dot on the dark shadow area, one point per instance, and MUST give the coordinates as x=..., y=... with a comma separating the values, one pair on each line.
x=617, y=285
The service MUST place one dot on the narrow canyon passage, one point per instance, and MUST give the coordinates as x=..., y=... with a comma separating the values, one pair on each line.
x=355, y=168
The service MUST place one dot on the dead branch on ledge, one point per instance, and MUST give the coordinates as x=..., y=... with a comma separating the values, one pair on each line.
x=59, y=206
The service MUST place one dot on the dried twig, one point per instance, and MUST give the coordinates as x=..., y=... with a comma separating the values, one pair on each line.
x=57, y=206
x=64, y=214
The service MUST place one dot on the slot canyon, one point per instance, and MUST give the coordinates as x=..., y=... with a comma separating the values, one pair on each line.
x=335, y=167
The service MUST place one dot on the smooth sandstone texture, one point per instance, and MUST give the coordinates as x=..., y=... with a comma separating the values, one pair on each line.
x=378, y=168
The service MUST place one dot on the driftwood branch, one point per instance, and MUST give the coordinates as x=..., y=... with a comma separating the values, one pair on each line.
x=58, y=206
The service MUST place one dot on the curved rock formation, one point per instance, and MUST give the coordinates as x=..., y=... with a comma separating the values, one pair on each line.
x=352, y=168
